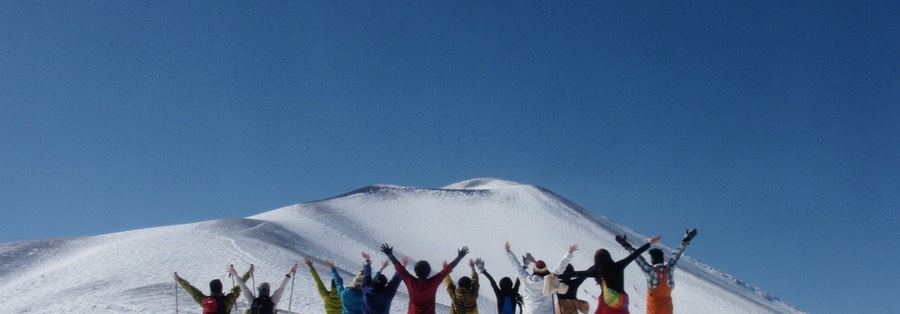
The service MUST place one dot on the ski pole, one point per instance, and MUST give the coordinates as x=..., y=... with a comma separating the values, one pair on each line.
x=232, y=287
x=291, y=298
x=176, y=298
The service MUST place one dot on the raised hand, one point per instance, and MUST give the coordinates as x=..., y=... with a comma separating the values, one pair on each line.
x=365, y=256
x=623, y=241
x=385, y=263
x=573, y=248
x=506, y=246
x=688, y=235
x=293, y=269
x=328, y=263
x=654, y=239
x=528, y=259
x=462, y=252
x=472, y=264
x=479, y=263
x=308, y=261
x=405, y=261
x=387, y=249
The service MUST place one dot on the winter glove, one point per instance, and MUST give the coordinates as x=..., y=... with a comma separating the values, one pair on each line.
x=623, y=242
x=479, y=265
x=387, y=249
x=527, y=259
x=462, y=252
x=688, y=235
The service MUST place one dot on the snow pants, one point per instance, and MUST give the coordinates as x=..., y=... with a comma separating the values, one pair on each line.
x=573, y=306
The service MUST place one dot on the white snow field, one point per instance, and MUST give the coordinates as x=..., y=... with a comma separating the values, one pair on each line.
x=131, y=272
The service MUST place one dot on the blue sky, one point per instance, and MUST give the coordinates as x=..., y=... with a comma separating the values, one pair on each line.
x=771, y=126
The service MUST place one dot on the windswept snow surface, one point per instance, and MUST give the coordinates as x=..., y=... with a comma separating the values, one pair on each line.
x=131, y=272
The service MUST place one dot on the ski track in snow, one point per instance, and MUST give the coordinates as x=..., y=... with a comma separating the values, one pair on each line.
x=131, y=272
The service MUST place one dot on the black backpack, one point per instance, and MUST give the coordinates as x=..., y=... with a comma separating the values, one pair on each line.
x=262, y=305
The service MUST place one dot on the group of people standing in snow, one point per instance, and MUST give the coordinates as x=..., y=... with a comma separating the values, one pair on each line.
x=540, y=291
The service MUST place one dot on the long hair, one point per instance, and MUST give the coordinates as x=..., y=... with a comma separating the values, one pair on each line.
x=602, y=260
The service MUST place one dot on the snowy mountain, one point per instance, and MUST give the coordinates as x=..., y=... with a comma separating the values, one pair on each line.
x=131, y=272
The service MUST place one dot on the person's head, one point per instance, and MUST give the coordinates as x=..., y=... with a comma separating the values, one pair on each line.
x=506, y=283
x=465, y=282
x=262, y=290
x=569, y=269
x=540, y=268
x=357, y=281
x=422, y=269
x=215, y=286
x=602, y=258
x=656, y=256
x=380, y=281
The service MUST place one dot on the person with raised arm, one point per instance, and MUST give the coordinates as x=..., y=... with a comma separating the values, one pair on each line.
x=508, y=297
x=660, y=274
x=610, y=275
x=331, y=299
x=263, y=302
x=421, y=288
x=464, y=298
x=534, y=300
x=378, y=292
x=351, y=296
x=216, y=301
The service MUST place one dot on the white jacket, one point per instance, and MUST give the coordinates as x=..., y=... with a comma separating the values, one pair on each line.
x=533, y=298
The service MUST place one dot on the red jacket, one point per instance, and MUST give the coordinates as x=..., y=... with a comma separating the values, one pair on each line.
x=422, y=291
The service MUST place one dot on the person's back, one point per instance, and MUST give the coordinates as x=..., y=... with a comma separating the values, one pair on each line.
x=507, y=294
x=379, y=293
x=534, y=300
x=464, y=297
x=264, y=301
x=216, y=302
x=422, y=289
x=331, y=299
x=660, y=274
x=351, y=296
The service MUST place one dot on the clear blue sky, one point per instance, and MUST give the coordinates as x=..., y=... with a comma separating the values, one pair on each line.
x=769, y=125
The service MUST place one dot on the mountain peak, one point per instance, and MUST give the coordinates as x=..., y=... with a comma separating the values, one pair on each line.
x=483, y=184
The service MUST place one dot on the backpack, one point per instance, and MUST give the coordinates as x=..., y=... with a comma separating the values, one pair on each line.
x=213, y=305
x=262, y=305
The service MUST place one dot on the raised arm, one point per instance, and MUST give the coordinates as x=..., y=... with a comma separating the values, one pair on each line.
x=459, y=255
x=195, y=293
x=245, y=291
x=338, y=281
x=631, y=257
x=688, y=236
x=389, y=251
x=474, y=275
x=320, y=287
x=511, y=257
x=623, y=241
x=276, y=296
x=565, y=260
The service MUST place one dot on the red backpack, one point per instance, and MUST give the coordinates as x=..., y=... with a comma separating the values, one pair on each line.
x=213, y=305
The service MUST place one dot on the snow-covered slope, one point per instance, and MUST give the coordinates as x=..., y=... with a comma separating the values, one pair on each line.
x=131, y=272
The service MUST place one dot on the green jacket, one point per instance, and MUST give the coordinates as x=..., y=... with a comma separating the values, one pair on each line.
x=198, y=295
x=463, y=301
x=332, y=299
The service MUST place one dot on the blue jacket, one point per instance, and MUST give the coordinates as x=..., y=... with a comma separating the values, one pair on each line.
x=378, y=301
x=351, y=298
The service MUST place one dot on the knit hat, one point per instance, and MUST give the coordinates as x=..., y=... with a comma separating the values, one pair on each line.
x=215, y=286
x=263, y=289
x=540, y=268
